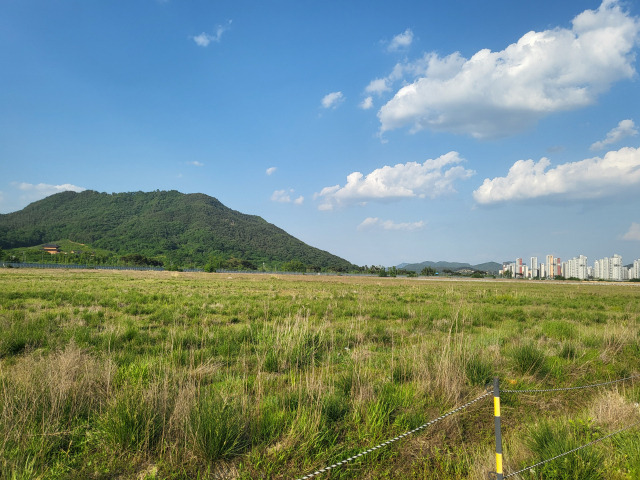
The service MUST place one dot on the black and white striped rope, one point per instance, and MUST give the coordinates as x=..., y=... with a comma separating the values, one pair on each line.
x=399, y=437
x=571, y=451
x=542, y=390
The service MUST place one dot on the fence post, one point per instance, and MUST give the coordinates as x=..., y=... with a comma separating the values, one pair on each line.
x=496, y=413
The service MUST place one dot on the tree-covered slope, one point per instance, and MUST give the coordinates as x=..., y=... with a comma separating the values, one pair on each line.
x=180, y=228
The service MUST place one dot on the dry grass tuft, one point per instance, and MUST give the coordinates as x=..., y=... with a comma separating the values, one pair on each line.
x=612, y=411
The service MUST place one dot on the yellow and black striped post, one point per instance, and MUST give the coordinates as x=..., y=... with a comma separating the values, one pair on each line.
x=496, y=414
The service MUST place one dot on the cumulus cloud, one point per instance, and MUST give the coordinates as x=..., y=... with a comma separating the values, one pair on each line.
x=633, y=233
x=271, y=170
x=204, y=39
x=429, y=179
x=591, y=178
x=45, y=189
x=379, y=86
x=495, y=94
x=332, y=100
x=626, y=128
x=401, y=41
x=22, y=194
x=281, y=196
x=375, y=222
x=284, y=196
x=367, y=103
x=196, y=163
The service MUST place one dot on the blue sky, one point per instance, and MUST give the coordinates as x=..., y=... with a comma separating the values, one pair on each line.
x=383, y=132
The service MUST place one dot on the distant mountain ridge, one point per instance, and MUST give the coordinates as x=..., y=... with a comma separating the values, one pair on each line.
x=490, y=267
x=175, y=227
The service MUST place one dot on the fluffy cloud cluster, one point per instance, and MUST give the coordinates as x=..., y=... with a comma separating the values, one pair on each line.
x=626, y=128
x=590, y=178
x=500, y=93
x=375, y=222
x=429, y=179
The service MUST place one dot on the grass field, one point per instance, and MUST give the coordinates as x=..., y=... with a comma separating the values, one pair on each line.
x=142, y=375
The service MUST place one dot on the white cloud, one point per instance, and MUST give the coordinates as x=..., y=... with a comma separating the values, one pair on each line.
x=271, y=170
x=633, y=233
x=332, y=100
x=495, y=94
x=375, y=222
x=284, y=196
x=429, y=179
x=195, y=163
x=367, y=103
x=591, y=178
x=378, y=86
x=204, y=39
x=626, y=128
x=401, y=41
x=45, y=189
x=281, y=196
x=25, y=193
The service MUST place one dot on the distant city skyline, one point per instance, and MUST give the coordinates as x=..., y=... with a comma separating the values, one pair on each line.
x=606, y=268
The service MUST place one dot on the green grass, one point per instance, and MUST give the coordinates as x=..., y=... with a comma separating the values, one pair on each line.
x=166, y=375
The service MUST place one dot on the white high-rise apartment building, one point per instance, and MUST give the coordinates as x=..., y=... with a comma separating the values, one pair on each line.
x=635, y=270
x=609, y=268
x=534, y=267
x=551, y=263
x=616, y=268
x=577, y=268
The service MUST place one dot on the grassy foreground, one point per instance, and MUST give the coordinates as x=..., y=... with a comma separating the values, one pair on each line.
x=142, y=375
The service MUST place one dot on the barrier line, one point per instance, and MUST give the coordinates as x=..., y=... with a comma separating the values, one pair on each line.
x=542, y=390
x=399, y=437
x=571, y=451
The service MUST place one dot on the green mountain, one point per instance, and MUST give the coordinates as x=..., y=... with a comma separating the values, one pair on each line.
x=177, y=228
x=490, y=267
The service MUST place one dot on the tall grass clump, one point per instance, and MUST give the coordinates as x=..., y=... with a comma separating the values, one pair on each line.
x=479, y=371
x=219, y=426
x=529, y=360
x=558, y=329
x=547, y=440
x=131, y=422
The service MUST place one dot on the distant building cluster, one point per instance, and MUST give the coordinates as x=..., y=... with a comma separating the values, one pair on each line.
x=610, y=268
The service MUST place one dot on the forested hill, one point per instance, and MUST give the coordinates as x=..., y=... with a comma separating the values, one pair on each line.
x=171, y=226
